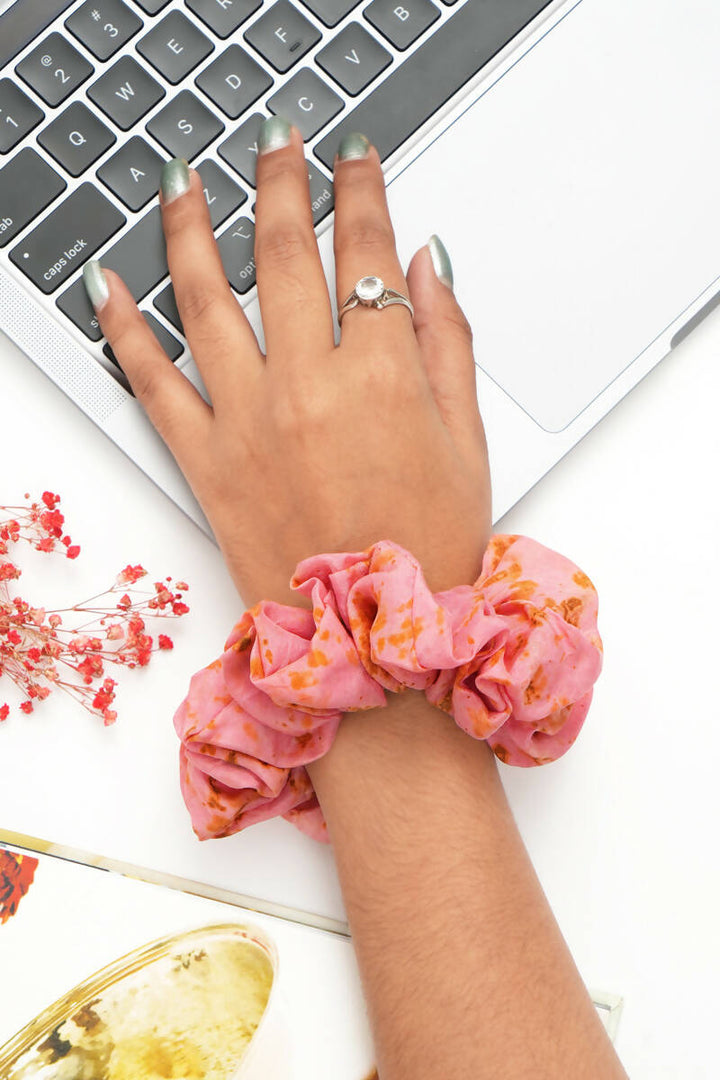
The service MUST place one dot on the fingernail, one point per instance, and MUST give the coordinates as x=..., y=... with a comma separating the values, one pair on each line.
x=96, y=284
x=353, y=147
x=275, y=133
x=441, y=261
x=174, y=179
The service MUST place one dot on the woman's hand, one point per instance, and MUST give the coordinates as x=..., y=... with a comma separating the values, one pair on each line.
x=314, y=447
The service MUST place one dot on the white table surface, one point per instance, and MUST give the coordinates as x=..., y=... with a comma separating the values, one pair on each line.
x=621, y=831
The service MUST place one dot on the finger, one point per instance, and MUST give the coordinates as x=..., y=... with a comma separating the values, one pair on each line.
x=365, y=242
x=292, y=290
x=445, y=341
x=220, y=337
x=173, y=405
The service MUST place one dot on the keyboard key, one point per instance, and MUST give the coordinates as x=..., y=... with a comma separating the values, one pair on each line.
x=237, y=251
x=75, y=303
x=307, y=102
x=27, y=185
x=67, y=237
x=401, y=23
x=330, y=12
x=126, y=92
x=133, y=173
x=103, y=26
x=76, y=138
x=168, y=343
x=234, y=81
x=139, y=256
x=282, y=35
x=353, y=58
x=152, y=7
x=223, y=16
x=18, y=115
x=240, y=150
x=223, y=195
x=185, y=126
x=175, y=46
x=322, y=197
x=429, y=77
x=165, y=302
x=54, y=69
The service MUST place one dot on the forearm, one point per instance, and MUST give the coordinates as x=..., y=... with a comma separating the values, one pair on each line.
x=465, y=970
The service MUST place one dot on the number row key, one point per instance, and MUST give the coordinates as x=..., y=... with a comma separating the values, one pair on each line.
x=103, y=26
x=18, y=115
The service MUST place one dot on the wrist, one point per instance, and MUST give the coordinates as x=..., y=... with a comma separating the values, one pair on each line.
x=382, y=754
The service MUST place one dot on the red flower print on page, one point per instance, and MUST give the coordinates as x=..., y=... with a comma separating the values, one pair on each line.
x=16, y=875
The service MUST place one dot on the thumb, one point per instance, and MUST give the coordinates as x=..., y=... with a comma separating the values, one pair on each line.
x=445, y=339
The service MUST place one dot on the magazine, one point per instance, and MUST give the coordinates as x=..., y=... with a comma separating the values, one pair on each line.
x=104, y=977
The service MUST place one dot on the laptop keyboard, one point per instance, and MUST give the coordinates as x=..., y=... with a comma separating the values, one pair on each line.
x=111, y=89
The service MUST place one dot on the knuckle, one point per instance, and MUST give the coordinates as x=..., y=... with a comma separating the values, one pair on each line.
x=462, y=326
x=198, y=303
x=281, y=244
x=369, y=234
x=144, y=382
x=301, y=410
x=142, y=377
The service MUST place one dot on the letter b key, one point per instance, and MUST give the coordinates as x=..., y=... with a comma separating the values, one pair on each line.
x=402, y=23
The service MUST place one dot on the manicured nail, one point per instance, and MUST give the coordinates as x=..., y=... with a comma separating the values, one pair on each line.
x=441, y=261
x=275, y=133
x=353, y=147
x=174, y=179
x=96, y=284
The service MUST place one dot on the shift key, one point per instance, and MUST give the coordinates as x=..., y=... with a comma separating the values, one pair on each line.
x=67, y=237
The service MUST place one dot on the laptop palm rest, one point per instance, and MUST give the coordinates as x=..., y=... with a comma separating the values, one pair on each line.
x=582, y=209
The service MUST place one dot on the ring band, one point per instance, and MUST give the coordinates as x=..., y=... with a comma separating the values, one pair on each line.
x=371, y=291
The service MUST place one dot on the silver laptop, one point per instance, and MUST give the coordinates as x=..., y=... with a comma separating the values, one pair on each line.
x=565, y=152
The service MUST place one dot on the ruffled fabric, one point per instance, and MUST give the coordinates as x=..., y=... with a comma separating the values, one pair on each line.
x=512, y=658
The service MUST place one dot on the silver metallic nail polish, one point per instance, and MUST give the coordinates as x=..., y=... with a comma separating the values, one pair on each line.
x=174, y=179
x=353, y=147
x=96, y=284
x=441, y=261
x=275, y=133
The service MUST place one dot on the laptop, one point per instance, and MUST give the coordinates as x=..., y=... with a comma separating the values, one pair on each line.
x=564, y=151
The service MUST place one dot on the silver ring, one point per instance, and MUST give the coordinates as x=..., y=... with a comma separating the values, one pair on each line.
x=370, y=291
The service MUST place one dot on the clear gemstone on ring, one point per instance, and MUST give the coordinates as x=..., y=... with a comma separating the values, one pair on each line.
x=369, y=288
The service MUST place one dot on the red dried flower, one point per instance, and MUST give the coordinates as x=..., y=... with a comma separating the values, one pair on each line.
x=130, y=575
x=38, y=652
x=16, y=875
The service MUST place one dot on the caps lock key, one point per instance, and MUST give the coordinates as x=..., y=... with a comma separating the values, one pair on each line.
x=67, y=238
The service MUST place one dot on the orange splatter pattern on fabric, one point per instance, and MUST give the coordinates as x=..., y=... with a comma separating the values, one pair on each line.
x=512, y=658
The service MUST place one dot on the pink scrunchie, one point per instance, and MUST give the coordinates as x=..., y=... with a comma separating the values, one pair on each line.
x=512, y=658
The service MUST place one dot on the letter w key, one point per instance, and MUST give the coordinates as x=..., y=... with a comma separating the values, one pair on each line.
x=126, y=92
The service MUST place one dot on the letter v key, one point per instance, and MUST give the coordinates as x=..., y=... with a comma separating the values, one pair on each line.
x=352, y=57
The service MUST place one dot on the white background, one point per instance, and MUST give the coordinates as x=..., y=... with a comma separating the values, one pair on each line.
x=622, y=831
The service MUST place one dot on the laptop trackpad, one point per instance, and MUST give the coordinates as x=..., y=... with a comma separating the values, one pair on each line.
x=588, y=182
